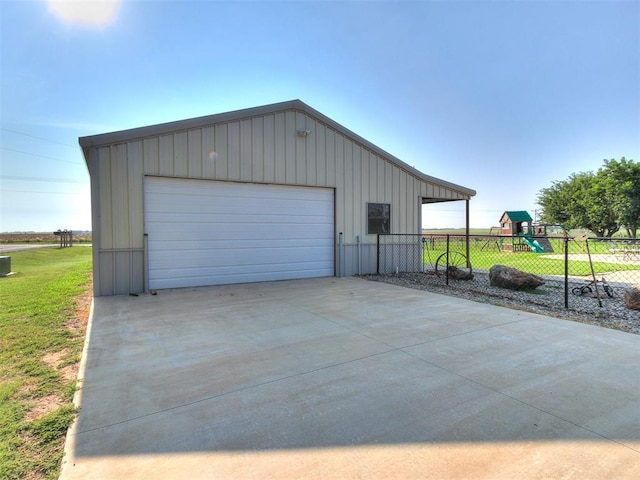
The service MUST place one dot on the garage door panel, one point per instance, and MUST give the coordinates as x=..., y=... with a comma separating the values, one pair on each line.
x=194, y=281
x=173, y=191
x=226, y=219
x=208, y=233
x=168, y=278
x=163, y=206
x=258, y=234
x=250, y=244
x=244, y=270
x=225, y=203
x=240, y=257
x=175, y=186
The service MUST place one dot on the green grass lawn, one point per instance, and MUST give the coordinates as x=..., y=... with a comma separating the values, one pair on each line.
x=484, y=252
x=36, y=345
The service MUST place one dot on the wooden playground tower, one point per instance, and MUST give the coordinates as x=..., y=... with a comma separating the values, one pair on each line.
x=517, y=233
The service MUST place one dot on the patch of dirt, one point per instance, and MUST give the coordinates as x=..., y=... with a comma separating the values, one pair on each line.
x=52, y=360
x=77, y=324
x=77, y=321
x=42, y=406
x=69, y=372
x=27, y=388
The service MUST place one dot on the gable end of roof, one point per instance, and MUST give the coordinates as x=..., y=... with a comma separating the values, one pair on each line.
x=122, y=136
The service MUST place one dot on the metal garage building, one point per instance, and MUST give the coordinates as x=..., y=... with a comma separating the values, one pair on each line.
x=267, y=193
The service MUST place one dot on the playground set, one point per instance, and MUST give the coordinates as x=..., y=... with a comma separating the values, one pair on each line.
x=518, y=233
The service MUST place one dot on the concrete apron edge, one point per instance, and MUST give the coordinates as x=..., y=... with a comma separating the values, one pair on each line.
x=69, y=444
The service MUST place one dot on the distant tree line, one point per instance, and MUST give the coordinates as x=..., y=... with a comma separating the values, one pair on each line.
x=604, y=202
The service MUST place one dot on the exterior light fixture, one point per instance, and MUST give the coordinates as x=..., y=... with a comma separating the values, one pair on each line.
x=303, y=133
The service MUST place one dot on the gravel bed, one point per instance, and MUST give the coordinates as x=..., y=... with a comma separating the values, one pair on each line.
x=547, y=299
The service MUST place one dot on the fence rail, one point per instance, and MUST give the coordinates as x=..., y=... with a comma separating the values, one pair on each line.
x=578, y=273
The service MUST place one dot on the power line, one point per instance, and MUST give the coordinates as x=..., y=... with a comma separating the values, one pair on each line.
x=38, y=138
x=36, y=192
x=41, y=179
x=41, y=156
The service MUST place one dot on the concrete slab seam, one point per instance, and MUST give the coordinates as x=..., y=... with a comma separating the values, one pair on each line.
x=359, y=332
x=232, y=392
x=522, y=402
x=461, y=334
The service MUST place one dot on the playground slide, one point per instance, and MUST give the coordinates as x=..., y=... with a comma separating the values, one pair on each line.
x=533, y=245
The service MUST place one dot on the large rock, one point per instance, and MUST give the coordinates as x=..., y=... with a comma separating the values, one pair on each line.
x=631, y=297
x=513, y=279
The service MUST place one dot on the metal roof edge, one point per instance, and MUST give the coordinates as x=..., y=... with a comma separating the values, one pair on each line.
x=121, y=136
x=393, y=159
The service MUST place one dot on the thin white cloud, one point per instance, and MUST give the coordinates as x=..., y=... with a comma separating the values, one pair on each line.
x=81, y=127
x=86, y=13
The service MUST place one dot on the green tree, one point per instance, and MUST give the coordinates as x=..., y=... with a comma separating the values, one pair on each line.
x=622, y=179
x=603, y=202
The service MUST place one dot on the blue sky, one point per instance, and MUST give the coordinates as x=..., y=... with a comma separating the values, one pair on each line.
x=502, y=97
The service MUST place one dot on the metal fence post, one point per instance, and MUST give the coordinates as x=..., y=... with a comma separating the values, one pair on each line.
x=446, y=275
x=359, y=255
x=378, y=254
x=566, y=272
x=145, y=259
x=340, y=255
x=593, y=273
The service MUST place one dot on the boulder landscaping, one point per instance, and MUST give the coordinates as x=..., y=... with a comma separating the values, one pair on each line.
x=513, y=279
x=631, y=297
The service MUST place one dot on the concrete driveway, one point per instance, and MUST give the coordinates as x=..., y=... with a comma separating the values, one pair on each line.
x=346, y=378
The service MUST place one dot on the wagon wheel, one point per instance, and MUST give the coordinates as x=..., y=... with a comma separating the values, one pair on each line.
x=459, y=265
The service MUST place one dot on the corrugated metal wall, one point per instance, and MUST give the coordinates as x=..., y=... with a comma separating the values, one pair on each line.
x=262, y=149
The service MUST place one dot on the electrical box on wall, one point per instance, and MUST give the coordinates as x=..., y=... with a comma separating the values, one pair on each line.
x=5, y=266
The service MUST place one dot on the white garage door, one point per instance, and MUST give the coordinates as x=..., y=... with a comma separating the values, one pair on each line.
x=211, y=233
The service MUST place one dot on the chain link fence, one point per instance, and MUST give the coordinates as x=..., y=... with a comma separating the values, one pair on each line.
x=578, y=273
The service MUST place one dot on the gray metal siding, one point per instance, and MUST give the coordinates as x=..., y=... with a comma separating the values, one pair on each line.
x=262, y=149
x=116, y=177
